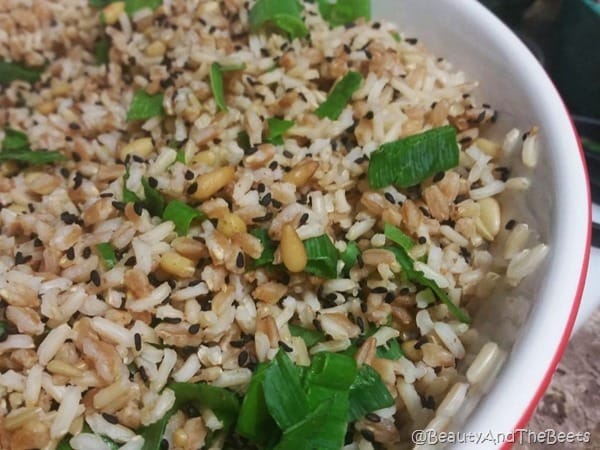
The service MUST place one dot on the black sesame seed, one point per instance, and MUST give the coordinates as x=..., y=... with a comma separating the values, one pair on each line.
x=261, y=188
x=276, y=203
x=189, y=175
x=373, y=417
x=106, y=195
x=153, y=182
x=376, y=25
x=172, y=284
x=37, y=242
x=273, y=165
x=192, y=188
x=19, y=258
x=368, y=435
x=164, y=445
x=95, y=278
x=404, y=291
x=317, y=325
x=237, y=343
x=465, y=140
x=510, y=224
x=118, y=205
x=137, y=158
x=137, y=340
x=70, y=253
x=389, y=197
x=411, y=41
x=379, y=290
x=131, y=261
x=389, y=297
x=303, y=219
x=138, y=208
x=425, y=212
x=285, y=347
x=363, y=307
x=172, y=320
x=143, y=374
x=361, y=324
x=194, y=328
x=64, y=172
x=110, y=418
x=239, y=260
x=422, y=240
x=428, y=402
x=369, y=115
x=266, y=199
x=302, y=96
x=438, y=177
x=264, y=218
x=74, y=126
x=347, y=49
x=243, y=358
x=77, y=180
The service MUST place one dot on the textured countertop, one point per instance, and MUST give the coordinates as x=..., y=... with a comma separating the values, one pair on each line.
x=572, y=401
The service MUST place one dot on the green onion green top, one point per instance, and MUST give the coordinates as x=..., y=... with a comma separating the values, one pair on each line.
x=16, y=147
x=277, y=128
x=340, y=96
x=397, y=236
x=132, y=6
x=216, y=81
x=11, y=71
x=342, y=12
x=409, y=161
x=107, y=253
x=182, y=215
x=322, y=257
x=154, y=201
x=310, y=337
x=145, y=106
x=269, y=248
x=283, y=15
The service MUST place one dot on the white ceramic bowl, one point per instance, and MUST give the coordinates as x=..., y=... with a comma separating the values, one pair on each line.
x=557, y=204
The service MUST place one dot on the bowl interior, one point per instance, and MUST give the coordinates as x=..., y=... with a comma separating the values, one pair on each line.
x=531, y=323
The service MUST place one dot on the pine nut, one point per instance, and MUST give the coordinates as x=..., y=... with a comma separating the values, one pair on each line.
x=300, y=174
x=188, y=247
x=488, y=223
x=141, y=147
x=488, y=147
x=41, y=183
x=46, y=108
x=157, y=48
x=412, y=353
x=180, y=437
x=230, y=224
x=23, y=416
x=293, y=253
x=111, y=13
x=207, y=158
x=212, y=182
x=177, y=265
x=62, y=368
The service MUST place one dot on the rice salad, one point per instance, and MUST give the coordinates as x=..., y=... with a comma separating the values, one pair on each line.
x=243, y=225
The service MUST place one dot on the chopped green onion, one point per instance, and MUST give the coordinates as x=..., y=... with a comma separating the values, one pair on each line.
x=107, y=252
x=310, y=337
x=332, y=371
x=145, y=106
x=340, y=96
x=322, y=257
x=216, y=81
x=153, y=434
x=11, y=71
x=407, y=265
x=132, y=6
x=285, y=398
x=277, y=128
x=368, y=393
x=396, y=36
x=16, y=147
x=342, y=12
x=269, y=247
x=225, y=404
x=154, y=202
x=409, y=161
x=14, y=140
x=101, y=50
x=284, y=15
x=64, y=443
x=349, y=257
x=397, y=236
x=100, y=3
x=180, y=156
x=182, y=215
x=254, y=421
x=323, y=428
x=390, y=350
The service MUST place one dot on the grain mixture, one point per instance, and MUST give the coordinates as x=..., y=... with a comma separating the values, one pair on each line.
x=205, y=242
